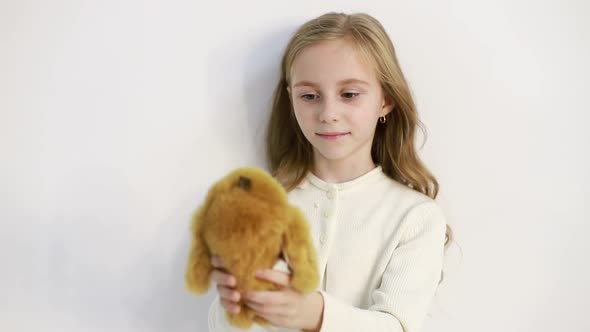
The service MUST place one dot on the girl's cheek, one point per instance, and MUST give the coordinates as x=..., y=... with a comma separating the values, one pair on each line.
x=304, y=108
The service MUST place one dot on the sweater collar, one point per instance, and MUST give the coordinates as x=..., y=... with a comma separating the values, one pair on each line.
x=310, y=178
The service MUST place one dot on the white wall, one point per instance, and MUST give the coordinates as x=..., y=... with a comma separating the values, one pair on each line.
x=116, y=116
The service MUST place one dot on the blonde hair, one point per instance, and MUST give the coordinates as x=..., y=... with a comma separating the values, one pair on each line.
x=290, y=154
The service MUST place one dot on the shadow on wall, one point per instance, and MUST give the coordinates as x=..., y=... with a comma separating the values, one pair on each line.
x=165, y=304
x=107, y=270
x=240, y=92
x=262, y=72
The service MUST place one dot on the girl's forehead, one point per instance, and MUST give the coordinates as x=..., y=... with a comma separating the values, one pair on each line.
x=327, y=52
x=331, y=61
x=320, y=74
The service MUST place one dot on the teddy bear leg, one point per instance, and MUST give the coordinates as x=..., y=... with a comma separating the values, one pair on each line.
x=243, y=319
x=260, y=321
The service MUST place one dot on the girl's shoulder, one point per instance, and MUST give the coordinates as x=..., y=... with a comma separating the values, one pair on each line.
x=401, y=193
x=415, y=206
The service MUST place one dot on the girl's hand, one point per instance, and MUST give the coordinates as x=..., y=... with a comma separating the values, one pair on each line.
x=226, y=282
x=286, y=307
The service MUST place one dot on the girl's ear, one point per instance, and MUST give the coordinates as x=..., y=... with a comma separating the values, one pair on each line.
x=388, y=106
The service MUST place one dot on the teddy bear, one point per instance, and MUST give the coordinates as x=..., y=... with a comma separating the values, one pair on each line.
x=247, y=221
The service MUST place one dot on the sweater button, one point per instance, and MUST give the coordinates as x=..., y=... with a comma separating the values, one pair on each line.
x=330, y=194
x=316, y=205
x=326, y=214
x=322, y=238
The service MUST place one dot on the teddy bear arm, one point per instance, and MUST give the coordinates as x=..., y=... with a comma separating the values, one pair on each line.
x=301, y=253
x=199, y=262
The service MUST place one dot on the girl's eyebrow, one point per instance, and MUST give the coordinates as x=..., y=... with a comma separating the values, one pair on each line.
x=343, y=82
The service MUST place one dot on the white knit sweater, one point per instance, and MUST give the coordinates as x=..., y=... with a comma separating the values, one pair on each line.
x=380, y=253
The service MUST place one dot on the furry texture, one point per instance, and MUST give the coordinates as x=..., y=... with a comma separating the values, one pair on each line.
x=247, y=221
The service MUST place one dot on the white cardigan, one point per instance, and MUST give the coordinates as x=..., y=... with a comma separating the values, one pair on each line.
x=380, y=253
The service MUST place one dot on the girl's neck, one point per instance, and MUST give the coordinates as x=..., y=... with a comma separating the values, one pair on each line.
x=338, y=172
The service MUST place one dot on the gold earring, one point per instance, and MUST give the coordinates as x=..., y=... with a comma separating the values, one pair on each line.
x=382, y=119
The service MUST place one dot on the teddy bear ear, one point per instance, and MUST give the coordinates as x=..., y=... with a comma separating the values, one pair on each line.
x=245, y=183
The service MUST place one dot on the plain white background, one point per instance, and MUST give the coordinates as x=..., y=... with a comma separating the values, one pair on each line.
x=116, y=116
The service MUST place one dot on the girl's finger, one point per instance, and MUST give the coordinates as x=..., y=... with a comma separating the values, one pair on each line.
x=276, y=320
x=223, y=279
x=229, y=306
x=277, y=277
x=216, y=262
x=228, y=294
x=278, y=310
x=267, y=297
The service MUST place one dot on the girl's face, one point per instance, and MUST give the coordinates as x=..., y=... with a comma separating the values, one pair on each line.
x=337, y=101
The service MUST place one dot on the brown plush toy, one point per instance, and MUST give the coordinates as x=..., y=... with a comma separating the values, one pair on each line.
x=247, y=221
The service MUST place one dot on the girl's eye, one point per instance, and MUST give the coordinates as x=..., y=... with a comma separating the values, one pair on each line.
x=307, y=97
x=312, y=97
x=350, y=95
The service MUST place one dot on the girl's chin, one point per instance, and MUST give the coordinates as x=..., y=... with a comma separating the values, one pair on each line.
x=331, y=155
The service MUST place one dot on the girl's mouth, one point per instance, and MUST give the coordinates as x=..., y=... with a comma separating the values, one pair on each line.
x=331, y=136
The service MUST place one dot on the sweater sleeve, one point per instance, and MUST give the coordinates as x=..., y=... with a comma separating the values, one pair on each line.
x=408, y=284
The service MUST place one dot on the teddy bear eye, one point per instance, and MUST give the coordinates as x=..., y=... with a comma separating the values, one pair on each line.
x=245, y=183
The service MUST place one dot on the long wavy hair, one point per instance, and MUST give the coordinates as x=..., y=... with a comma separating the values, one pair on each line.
x=290, y=155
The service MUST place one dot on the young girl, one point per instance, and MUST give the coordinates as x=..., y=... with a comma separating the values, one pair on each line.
x=341, y=140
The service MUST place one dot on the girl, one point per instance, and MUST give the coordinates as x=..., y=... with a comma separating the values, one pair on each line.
x=341, y=141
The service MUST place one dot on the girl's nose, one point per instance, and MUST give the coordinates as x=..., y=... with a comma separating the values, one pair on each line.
x=328, y=111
